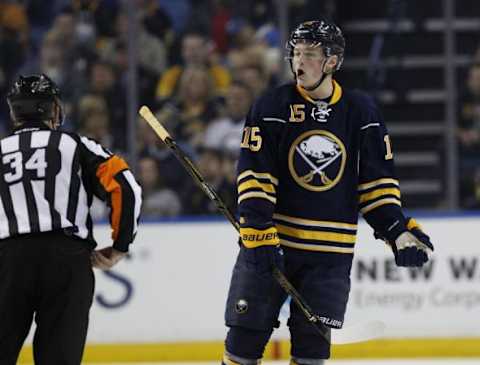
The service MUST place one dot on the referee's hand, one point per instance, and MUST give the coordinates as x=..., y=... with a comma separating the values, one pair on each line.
x=106, y=258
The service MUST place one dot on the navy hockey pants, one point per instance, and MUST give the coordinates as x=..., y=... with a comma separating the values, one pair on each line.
x=255, y=300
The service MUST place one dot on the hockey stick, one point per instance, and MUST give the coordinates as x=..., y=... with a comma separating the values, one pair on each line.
x=357, y=334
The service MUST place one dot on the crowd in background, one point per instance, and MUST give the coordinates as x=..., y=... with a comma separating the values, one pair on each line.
x=468, y=135
x=201, y=63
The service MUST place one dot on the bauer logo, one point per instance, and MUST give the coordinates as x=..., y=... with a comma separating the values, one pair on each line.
x=260, y=237
x=316, y=160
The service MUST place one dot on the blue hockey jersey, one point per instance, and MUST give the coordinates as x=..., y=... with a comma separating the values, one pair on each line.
x=307, y=168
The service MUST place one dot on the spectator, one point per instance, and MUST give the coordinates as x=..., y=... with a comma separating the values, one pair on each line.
x=14, y=27
x=255, y=77
x=225, y=133
x=210, y=165
x=103, y=82
x=178, y=11
x=149, y=145
x=94, y=119
x=13, y=18
x=469, y=121
x=195, y=52
x=468, y=133
x=220, y=17
x=156, y=21
x=151, y=50
x=158, y=201
x=53, y=62
x=77, y=36
x=188, y=114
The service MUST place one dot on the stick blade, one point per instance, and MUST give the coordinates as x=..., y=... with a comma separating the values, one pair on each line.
x=147, y=114
x=360, y=332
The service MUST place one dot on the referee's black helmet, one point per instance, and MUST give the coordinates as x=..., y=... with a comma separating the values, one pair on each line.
x=33, y=99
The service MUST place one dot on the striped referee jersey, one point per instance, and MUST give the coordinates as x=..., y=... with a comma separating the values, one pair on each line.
x=48, y=179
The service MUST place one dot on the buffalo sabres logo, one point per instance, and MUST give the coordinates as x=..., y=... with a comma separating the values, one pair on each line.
x=321, y=112
x=241, y=306
x=316, y=160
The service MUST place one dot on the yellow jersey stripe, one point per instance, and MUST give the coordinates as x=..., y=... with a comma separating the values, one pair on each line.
x=304, y=94
x=256, y=194
x=320, y=248
x=252, y=237
x=250, y=184
x=258, y=175
x=316, y=235
x=314, y=223
x=336, y=95
x=379, y=192
x=379, y=203
x=374, y=183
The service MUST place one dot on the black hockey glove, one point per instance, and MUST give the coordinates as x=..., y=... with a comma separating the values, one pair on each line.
x=263, y=258
x=411, y=247
x=260, y=246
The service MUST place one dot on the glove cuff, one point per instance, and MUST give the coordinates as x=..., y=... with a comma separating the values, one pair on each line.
x=412, y=224
x=395, y=229
x=252, y=237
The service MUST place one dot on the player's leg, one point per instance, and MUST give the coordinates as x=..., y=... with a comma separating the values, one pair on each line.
x=244, y=346
x=253, y=304
x=16, y=307
x=326, y=287
x=67, y=284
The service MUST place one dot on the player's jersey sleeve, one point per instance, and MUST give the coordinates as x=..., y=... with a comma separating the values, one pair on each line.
x=379, y=191
x=111, y=180
x=258, y=177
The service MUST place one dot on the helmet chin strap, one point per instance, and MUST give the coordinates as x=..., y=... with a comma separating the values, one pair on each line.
x=319, y=82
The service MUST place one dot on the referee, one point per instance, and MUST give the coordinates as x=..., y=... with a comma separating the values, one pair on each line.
x=47, y=182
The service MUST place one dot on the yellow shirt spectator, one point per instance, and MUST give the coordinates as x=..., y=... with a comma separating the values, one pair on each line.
x=167, y=84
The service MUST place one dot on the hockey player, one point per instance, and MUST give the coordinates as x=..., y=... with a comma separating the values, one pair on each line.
x=313, y=156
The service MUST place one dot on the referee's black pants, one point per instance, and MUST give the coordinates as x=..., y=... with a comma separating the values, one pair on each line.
x=47, y=277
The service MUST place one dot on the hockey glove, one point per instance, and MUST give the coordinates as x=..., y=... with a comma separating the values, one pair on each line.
x=263, y=258
x=412, y=246
x=260, y=246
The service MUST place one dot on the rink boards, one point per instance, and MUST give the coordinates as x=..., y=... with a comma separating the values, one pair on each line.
x=166, y=301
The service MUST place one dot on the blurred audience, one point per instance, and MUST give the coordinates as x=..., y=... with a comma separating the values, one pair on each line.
x=195, y=50
x=14, y=38
x=94, y=119
x=200, y=65
x=225, y=133
x=209, y=163
x=468, y=133
x=103, y=82
x=151, y=50
x=187, y=113
x=158, y=200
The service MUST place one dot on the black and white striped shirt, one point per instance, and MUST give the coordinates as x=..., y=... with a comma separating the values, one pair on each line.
x=48, y=179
